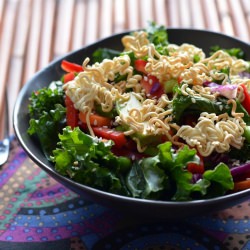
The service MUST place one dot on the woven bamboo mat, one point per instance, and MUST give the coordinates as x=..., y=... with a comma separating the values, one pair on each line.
x=34, y=32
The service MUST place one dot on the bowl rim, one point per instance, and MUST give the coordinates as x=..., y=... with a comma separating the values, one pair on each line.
x=56, y=175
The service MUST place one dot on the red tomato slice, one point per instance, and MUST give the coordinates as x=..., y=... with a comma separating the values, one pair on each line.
x=68, y=77
x=110, y=134
x=246, y=101
x=71, y=67
x=140, y=65
x=179, y=80
x=152, y=86
x=71, y=113
x=196, y=168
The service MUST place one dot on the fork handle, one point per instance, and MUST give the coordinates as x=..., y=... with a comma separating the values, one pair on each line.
x=4, y=150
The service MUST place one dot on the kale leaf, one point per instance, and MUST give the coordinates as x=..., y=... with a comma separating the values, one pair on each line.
x=44, y=128
x=197, y=104
x=104, y=53
x=235, y=52
x=89, y=161
x=45, y=99
x=165, y=176
x=158, y=35
x=47, y=115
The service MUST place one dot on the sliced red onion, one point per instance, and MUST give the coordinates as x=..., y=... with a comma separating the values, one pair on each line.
x=229, y=90
x=240, y=171
x=244, y=74
x=196, y=178
x=155, y=87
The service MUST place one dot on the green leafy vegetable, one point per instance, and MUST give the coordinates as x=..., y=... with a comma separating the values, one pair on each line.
x=45, y=128
x=157, y=34
x=146, y=179
x=241, y=154
x=90, y=161
x=45, y=99
x=165, y=176
x=103, y=53
x=47, y=114
x=196, y=104
x=220, y=179
x=236, y=52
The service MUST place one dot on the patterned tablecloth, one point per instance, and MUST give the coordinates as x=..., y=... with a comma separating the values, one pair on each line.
x=36, y=212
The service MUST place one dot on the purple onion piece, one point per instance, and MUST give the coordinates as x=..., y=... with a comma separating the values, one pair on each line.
x=155, y=87
x=239, y=172
x=216, y=158
x=206, y=83
x=196, y=177
x=244, y=74
x=229, y=90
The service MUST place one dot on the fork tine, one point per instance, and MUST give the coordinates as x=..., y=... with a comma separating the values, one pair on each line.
x=5, y=143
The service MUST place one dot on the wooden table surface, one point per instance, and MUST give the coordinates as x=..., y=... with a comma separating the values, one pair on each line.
x=34, y=32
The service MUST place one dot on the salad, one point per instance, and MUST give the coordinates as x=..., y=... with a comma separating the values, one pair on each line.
x=154, y=121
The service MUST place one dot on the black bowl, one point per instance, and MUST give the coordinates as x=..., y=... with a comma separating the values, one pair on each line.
x=150, y=208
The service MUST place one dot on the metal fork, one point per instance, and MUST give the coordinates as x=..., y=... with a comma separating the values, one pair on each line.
x=5, y=143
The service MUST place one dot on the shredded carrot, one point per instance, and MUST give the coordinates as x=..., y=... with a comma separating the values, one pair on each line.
x=241, y=185
x=95, y=120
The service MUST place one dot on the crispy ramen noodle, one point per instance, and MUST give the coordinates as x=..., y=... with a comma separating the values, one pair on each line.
x=196, y=75
x=166, y=67
x=97, y=85
x=138, y=43
x=91, y=86
x=221, y=60
x=197, y=91
x=214, y=132
x=146, y=119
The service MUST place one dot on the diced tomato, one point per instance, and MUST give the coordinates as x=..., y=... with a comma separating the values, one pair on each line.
x=152, y=86
x=71, y=67
x=68, y=77
x=140, y=65
x=246, y=101
x=179, y=80
x=110, y=134
x=95, y=120
x=71, y=113
x=196, y=168
x=131, y=145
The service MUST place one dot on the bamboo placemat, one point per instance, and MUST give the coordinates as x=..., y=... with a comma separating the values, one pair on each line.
x=34, y=32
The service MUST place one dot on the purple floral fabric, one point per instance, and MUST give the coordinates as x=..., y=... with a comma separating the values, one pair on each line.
x=36, y=212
